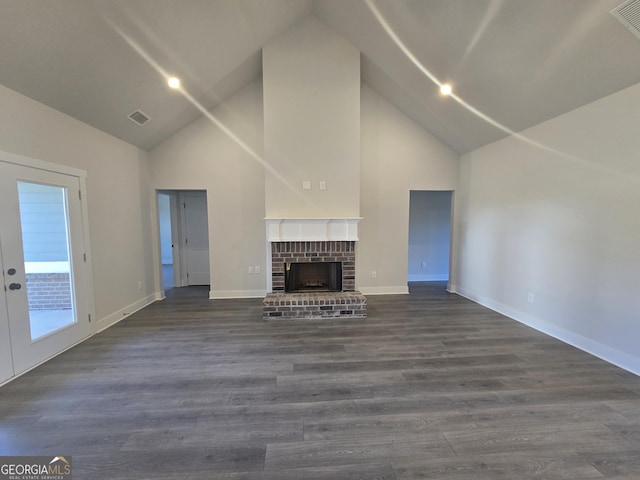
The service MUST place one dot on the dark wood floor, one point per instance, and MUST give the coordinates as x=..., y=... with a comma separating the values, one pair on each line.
x=430, y=386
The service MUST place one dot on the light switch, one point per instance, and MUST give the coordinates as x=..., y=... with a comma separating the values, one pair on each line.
x=323, y=185
x=306, y=185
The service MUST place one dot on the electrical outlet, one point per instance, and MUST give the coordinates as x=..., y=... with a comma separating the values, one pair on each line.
x=140, y=285
x=323, y=185
x=306, y=185
x=256, y=269
x=423, y=264
x=531, y=297
x=250, y=269
x=374, y=274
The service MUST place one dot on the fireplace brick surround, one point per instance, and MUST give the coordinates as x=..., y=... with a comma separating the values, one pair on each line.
x=311, y=252
x=347, y=303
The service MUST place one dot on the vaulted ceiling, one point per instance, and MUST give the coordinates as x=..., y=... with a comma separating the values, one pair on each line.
x=512, y=63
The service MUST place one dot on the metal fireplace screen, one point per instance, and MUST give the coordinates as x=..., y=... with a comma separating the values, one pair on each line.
x=313, y=277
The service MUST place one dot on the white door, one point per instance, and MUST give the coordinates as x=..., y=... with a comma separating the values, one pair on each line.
x=175, y=239
x=45, y=295
x=6, y=357
x=196, y=237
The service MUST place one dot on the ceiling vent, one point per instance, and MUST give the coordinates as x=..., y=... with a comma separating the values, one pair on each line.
x=139, y=117
x=629, y=15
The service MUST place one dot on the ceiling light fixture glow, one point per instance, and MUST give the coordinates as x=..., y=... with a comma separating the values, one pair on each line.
x=173, y=82
x=445, y=89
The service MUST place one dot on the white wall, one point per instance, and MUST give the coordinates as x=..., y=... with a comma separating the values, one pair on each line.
x=118, y=209
x=204, y=157
x=429, y=235
x=311, y=123
x=560, y=222
x=397, y=156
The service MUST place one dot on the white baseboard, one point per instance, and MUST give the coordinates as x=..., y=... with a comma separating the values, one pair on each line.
x=399, y=290
x=228, y=294
x=604, y=352
x=123, y=313
x=429, y=278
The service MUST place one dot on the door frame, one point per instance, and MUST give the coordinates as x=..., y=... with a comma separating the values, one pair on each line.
x=178, y=233
x=184, y=249
x=81, y=175
x=449, y=234
x=174, y=225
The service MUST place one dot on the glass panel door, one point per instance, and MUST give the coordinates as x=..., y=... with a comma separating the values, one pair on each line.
x=46, y=290
x=6, y=358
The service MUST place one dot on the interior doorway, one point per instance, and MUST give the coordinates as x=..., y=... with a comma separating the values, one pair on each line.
x=430, y=215
x=166, y=203
x=184, y=238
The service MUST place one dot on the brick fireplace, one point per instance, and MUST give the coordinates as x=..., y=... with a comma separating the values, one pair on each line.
x=287, y=253
x=317, y=295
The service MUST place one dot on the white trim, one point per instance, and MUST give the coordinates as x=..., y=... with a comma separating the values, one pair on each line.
x=41, y=164
x=312, y=229
x=228, y=294
x=399, y=290
x=433, y=277
x=88, y=262
x=604, y=352
x=269, y=264
x=123, y=313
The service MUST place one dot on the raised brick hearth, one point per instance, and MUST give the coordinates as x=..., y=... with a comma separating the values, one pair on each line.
x=347, y=303
x=315, y=305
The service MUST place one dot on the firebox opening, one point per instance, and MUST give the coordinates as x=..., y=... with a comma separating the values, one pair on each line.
x=313, y=277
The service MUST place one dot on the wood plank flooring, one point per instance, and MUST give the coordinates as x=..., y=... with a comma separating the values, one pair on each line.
x=429, y=386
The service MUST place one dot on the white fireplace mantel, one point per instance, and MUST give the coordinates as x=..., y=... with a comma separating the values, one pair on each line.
x=312, y=229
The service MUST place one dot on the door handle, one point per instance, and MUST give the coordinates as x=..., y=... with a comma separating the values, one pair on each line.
x=15, y=286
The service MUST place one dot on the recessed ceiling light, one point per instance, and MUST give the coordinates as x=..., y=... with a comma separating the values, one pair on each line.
x=445, y=89
x=173, y=82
